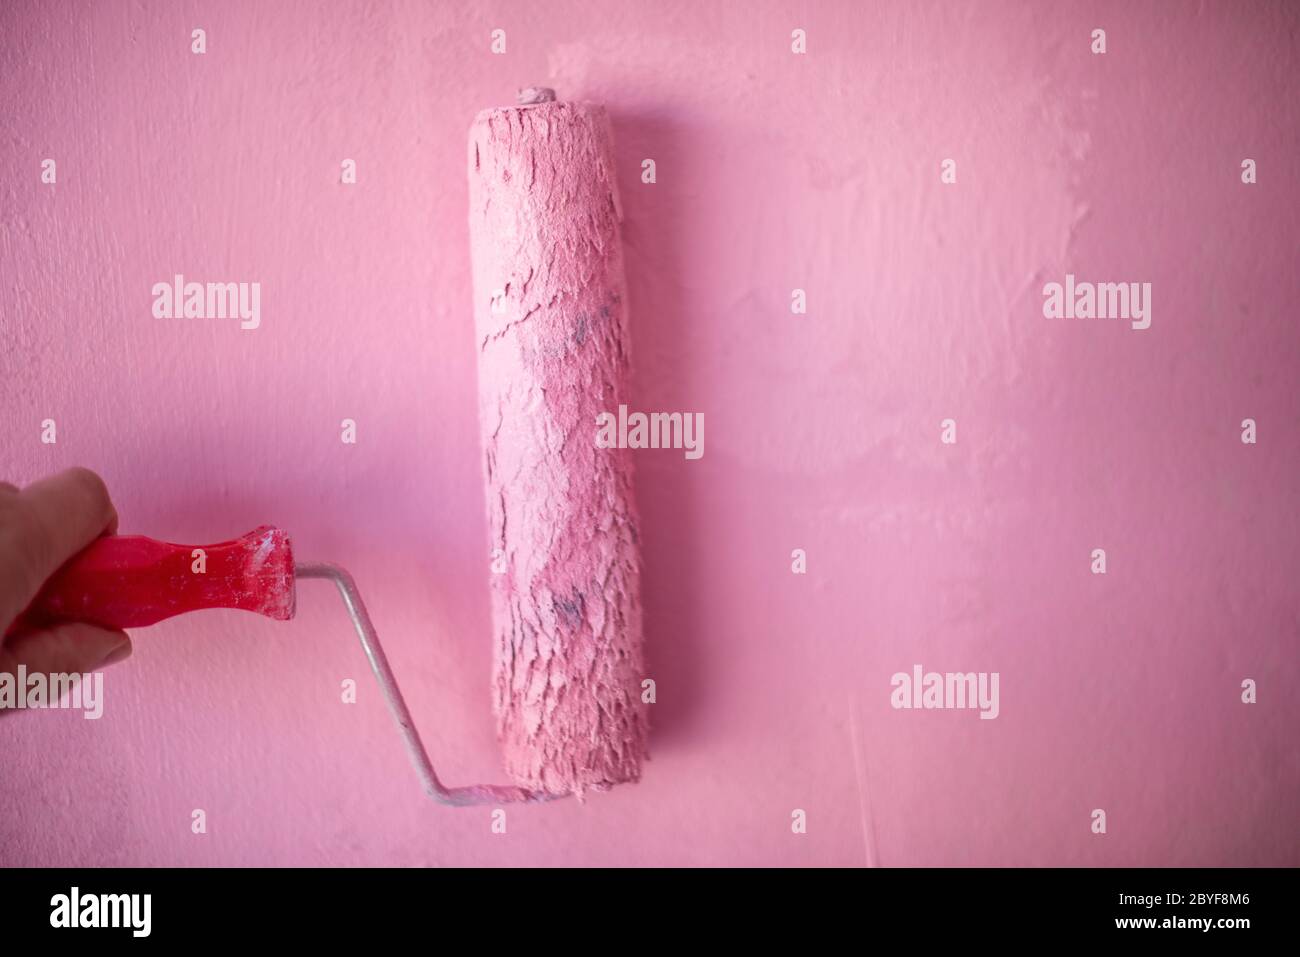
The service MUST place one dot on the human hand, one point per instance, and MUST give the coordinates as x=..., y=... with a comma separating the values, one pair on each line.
x=41, y=527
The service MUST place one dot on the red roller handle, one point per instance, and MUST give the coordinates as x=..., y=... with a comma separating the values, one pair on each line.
x=128, y=581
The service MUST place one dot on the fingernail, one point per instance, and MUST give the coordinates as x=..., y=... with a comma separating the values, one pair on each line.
x=119, y=653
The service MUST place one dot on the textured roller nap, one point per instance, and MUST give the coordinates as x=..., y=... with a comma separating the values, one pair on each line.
x=551, y=334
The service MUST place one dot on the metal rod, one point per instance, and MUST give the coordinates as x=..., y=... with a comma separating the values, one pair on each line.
x=455, y=797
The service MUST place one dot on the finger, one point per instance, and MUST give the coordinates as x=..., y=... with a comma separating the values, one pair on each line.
x=68, y=648
x=42, y=527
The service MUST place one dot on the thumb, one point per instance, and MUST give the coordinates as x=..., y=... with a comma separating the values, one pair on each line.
x=64, y=649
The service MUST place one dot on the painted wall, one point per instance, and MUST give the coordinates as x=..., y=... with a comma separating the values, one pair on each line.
x=775, y=171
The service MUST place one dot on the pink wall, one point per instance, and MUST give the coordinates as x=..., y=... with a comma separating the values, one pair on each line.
x=775, y=171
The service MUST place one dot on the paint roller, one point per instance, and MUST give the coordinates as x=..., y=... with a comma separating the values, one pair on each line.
x=550, y=332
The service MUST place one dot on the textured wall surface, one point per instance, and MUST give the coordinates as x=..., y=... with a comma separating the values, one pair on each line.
x=775, y=171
